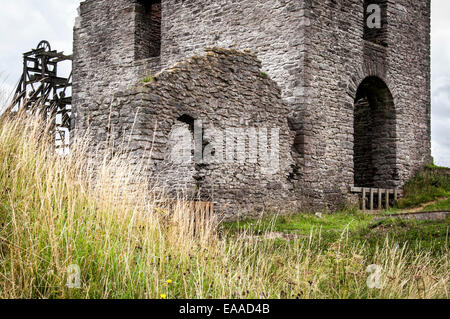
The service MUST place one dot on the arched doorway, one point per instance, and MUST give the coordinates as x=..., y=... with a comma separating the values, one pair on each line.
x=375, y=150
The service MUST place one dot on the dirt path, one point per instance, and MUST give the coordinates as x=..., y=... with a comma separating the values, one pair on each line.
x=422, y=207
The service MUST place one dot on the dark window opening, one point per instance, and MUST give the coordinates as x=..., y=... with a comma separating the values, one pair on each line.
x=148, y=29
x=372, y=16
x=189, y=120
x=375, y=151
x=193, y=128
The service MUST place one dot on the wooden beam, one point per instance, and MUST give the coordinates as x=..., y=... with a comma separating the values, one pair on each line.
x=355, y=189
x=380, y=202
x=363, y=199
x=376, y=190
x=387, y=198
x=372, y=192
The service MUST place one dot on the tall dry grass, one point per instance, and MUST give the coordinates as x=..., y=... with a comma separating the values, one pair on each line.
x=5, y=95
x=60, y=211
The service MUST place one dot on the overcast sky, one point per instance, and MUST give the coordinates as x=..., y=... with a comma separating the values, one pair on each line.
x=23, y=23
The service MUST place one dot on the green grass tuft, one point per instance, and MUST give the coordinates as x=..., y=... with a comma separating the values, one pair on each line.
x=428, y=185
x=439, y=206
x=149, y=79
x=435, y=167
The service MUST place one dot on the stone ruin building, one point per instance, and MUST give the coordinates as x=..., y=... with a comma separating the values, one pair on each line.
x=350, y=104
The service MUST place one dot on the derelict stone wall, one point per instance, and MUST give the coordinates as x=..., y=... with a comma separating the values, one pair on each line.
x=319, y=53
x=273, y=29
x=226, y=91
x=338, y=60
x=408, y=77
x=148, y=29
x=107, y=53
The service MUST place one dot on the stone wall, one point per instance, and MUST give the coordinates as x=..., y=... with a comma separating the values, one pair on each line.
x=318, y=52
x=376, y=35
x=409, y=80
x=108, y=53
x=148, y=29
x=273, y=29
x=338, y=60
x=227, y=92
x=375, y=146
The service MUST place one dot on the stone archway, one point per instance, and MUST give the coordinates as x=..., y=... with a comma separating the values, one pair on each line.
x=375, y=136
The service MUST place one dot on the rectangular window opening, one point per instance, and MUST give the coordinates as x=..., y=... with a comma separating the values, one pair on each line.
x=375, y=11
x=148, y=29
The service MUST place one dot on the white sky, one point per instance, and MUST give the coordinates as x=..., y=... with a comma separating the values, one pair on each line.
x=23, y=23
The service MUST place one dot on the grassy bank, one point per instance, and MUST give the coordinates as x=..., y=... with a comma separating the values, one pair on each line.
x=430, y=184
x=355, y=227
x=127, y=244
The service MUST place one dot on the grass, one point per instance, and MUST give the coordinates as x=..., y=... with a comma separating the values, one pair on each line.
x=357, y=227
x=56, y=212
x=443, y=205
x=428, y=185
x=149, y=79
x=330, y=226
x=418, y=235
x=4, y=92
x=436, y=167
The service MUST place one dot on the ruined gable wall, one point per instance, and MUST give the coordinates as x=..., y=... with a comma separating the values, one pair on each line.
x=274, y=29
x=224, y=89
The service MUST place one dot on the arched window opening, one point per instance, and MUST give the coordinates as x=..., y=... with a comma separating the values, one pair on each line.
x=375, y=151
